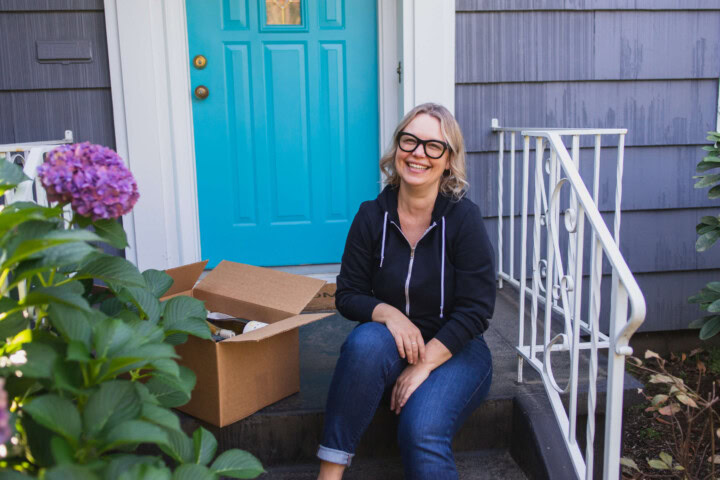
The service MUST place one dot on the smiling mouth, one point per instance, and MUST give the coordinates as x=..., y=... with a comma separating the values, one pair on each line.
x=417, y=166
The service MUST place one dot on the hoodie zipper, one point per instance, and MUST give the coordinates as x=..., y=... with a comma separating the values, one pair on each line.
x=410, y=266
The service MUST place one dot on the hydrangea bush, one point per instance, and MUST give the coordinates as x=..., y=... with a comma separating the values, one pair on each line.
x=90, y=372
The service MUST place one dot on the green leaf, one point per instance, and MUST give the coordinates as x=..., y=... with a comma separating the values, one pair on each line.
x=185, y=315
x=172, y=391
x=145, y=301
x=629, y=462
x=111, y=232
x=16, y=213
x=658, y=464
x=32, y=247
x=41, y=359
x=146, y=472
x=62, y=451
x=78, y=352
x=237, y=464
x=667, y=458
x=714, y=307
x=176, y=339
x=714, y=192
x=137, y=357
x=113, y=336
x=179, y=446
x=707, y=180
x=160, y=416
x=68, y=378
x=713, y=136
x=11, y=323
x=193, y=472
x=205, y=446
x=706, y=240
x=158, y=282
x=69, y=295
x=73, y=325
x=167, y=366
x=74, y=472
x=699, y=322
x=11, y=175
x=113, y=270
x=113, y=403
x=702, y=229
x=134, y=432
x=57, y=414
x=705, y=166
x=710, y=220
x=124, y=463
x=714, y=286
x=710, y=329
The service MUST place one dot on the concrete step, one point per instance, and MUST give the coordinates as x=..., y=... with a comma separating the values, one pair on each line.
x=288, y=432
x=480, y=465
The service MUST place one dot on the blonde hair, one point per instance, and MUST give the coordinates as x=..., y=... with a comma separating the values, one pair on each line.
x=453, y=183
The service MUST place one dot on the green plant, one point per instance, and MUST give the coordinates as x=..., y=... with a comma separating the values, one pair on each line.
x=714, y=360
x=90, y=371
x=688, y=412
x=708, y=231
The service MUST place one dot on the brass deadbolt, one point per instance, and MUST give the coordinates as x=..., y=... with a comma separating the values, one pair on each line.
x=201, y=92
x=199, y=62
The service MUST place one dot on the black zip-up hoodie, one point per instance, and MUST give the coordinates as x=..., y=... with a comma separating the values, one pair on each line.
x=378, y=266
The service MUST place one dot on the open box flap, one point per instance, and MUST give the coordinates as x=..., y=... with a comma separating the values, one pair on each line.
x=276, y=328
x=276, y=290
x=184, y=277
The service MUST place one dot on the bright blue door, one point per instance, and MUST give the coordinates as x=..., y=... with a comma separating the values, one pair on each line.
x=286, y=140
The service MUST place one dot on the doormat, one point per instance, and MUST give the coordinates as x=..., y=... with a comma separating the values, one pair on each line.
x=324, y=300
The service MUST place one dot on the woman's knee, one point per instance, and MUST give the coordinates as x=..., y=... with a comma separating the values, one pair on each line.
x=367, y=341
x=424, y=433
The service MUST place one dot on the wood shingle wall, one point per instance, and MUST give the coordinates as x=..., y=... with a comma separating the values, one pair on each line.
x=651, y=66
x=39, y=100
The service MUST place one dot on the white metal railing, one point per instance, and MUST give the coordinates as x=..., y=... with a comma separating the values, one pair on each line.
x=563, y=280
x=30, y=156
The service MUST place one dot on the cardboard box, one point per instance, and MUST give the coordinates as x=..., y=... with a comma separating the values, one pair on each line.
x=242, y=374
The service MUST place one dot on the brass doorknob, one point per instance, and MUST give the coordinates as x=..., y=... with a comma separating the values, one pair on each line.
x=201, y=92
x=199, y=62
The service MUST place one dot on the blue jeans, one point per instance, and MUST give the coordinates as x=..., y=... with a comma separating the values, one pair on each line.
x=369, y=364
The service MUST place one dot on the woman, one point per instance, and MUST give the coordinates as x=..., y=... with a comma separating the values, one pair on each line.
x=417, y=273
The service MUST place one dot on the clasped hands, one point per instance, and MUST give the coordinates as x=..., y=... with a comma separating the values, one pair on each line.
x=411, y=346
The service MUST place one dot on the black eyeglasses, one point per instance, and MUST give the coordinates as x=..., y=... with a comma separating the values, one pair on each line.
x=407, y=142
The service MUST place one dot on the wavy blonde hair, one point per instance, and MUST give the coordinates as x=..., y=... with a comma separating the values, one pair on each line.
x=454, y=182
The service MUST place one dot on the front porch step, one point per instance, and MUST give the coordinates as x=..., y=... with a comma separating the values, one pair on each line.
x=288, y=432
x=480, y=465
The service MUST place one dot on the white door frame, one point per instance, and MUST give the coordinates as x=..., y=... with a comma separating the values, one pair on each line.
x=150, y=81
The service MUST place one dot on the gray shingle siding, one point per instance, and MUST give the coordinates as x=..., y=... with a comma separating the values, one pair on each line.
x=649, y=66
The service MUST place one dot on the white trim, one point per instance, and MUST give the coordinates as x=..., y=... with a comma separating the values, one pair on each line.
x=150, y=79
x=428, y=44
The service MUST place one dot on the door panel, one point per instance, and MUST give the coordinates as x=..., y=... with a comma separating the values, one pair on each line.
x=286, y=143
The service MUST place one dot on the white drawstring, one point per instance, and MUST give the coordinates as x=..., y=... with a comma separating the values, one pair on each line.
x=382, y=249
x=442, y=271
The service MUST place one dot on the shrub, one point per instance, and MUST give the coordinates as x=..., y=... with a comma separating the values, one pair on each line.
x=90, y=371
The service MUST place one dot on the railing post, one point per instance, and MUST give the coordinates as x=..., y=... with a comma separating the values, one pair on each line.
x=523, y=251
x=501, y=149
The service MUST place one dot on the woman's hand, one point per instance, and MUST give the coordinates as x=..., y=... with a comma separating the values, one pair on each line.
x=408, y=338
x=408, y=381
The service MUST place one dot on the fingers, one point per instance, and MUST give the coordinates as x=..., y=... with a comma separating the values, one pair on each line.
x=409, y=353
x=421, y=352
x=400, y=346
x=392, y=397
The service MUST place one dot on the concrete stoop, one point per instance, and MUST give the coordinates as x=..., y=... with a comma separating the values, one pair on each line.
x=509, y=436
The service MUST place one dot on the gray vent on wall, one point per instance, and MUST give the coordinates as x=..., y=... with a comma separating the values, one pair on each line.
x=64, y=51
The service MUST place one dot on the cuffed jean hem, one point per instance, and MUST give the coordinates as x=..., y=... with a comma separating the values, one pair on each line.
x=335, y=456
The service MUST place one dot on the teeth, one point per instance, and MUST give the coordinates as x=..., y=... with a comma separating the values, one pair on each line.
x=416, y=165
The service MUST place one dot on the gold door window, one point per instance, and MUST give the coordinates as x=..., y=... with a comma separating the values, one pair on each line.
x=283, y=12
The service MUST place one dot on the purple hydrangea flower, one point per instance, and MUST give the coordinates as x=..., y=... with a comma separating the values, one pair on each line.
x=5, y=430
x=92, y=178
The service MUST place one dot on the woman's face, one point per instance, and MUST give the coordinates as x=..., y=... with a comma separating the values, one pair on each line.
x=415, y=168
